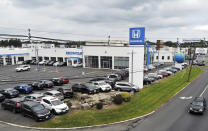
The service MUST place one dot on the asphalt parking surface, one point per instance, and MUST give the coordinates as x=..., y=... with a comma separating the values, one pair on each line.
x=9, y=78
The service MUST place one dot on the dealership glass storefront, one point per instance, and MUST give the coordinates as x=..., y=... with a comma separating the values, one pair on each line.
x=121, y=62
x=106, y=62
x=91, y=61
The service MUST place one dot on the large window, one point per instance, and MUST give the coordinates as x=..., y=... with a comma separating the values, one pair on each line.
x=168, y=57
x=106, y=62
x=8, y=60
x=91, y=61
x=121, y=62
x=53, y=58
x=46, y=58
x=20, y=58
x=163, y=57
x=60, y=59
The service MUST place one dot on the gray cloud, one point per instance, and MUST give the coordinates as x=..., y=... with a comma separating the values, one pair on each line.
x=162, y=18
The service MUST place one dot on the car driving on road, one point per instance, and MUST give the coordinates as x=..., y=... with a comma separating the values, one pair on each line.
x=198, y=105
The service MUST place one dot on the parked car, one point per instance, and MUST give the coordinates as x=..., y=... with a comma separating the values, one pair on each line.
x=145, y=69
x=177, y=68
x=155, y=76
x=43, y=62
x=51, y=63
x=66, y=91
x=198, y=105
x=62, y=64
x=117, y=77
x=201, y=63
x=64, y=80
x=151, y=67
x=55, y=105
x=37, y=85
x=34, y=97
x=107, y=80
x=13, y=104
x=57, y=82
x=47, y=83
x=77, y=65
x=35, y=110
x=85, y=88
x=152, y=79
x=171, y=69
x=56, y=63
x=10, y=93
x=146, y=81
x=125, y=86
x=167, y=72
x=23, y=68
x=102, y=85
x=24, y=89
x=55, y=94
x=2, y=97
x=27, y=61
x=163, y=74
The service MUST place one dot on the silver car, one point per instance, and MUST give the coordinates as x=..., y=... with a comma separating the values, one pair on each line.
x=125, y=86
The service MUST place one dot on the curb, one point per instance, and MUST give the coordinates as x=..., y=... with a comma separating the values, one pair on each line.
x=74, y=128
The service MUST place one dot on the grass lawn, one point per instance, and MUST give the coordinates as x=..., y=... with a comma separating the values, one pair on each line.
x=143, y=102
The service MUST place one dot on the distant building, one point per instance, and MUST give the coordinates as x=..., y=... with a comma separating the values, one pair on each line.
x=38, y=45
x=107, y=43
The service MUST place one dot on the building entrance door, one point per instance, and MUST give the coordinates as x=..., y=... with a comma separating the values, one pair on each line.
x=106, y=64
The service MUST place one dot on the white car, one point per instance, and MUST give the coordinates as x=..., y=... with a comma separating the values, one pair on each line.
x=102, y=85
x=42, y=62
x=55, y=94
x=54, y=104
x=77, y=65
x=23, y=68
x=56, y=63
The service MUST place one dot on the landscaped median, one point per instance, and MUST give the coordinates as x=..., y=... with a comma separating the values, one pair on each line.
x=143, y=102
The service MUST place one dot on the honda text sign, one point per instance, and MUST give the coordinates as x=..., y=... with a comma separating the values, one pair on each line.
x=137, y=36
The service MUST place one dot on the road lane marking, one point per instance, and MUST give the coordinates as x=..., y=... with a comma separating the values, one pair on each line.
x=204, y=91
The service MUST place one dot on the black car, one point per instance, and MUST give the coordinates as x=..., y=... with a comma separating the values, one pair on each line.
x=198, y=105
x=57, y=81
x=85, y=88
x=66, y=91
x=47, y=83
x=10, y=93
x=13, y=104
x=37, y=85
x=111, y=82
x=35, y=110
x=2, y=97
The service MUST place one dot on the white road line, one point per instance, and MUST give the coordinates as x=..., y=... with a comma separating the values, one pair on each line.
x=204, y=91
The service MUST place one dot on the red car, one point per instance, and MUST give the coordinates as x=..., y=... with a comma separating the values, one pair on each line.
x=164, y=74
x=64, y=80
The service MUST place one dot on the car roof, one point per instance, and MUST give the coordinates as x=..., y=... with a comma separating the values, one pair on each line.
x=31, y=103
x=18, y=99
x=50, y=98
x=53, y=91
x=123, y=83
x=36, y=95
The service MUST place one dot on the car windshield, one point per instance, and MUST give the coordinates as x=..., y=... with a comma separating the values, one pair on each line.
x=102, y=83
x=38, y=107
x=112, y=76
x=197, y=103
x=56, y=102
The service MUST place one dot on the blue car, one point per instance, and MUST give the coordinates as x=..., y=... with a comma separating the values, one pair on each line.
x=26, y=89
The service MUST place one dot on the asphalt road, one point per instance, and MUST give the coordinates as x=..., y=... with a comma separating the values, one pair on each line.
x=173, y=116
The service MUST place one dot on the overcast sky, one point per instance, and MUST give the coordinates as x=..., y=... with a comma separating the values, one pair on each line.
x=96, y=19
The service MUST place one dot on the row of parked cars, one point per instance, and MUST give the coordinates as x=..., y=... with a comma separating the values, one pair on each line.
x=162, y=73
x=153, y=66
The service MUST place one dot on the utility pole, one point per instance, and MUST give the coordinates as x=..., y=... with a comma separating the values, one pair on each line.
x=109, y=40
x=29, y=36
x=132, y=55
x=191, y=63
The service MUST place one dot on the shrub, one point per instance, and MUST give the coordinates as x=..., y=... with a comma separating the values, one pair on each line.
x=99, y=105
x=118, y=99
x=126, y=96
x=68, y=102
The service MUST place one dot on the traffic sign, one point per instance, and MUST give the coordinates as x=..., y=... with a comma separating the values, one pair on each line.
x=137, y=36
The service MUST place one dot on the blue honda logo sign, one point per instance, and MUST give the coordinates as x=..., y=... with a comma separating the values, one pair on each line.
x=137, y=36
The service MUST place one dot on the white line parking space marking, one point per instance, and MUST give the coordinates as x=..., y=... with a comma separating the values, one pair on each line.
x=203, y=91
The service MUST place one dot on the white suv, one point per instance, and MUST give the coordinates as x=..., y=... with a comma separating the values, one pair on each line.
x=55, y=94
x=102, y=85
x=23, y=68
x=54, y=104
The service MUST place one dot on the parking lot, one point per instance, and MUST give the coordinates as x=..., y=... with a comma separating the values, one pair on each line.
x=10, y=78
